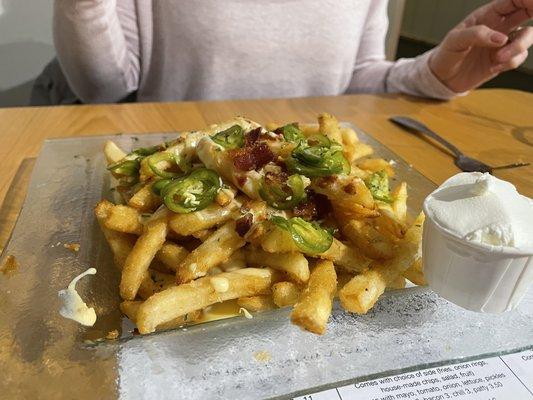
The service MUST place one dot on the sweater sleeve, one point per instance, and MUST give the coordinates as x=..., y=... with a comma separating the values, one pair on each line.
x=97, y=45
x=372, y=73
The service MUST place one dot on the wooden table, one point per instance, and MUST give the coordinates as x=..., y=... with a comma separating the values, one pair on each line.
x=495, y=126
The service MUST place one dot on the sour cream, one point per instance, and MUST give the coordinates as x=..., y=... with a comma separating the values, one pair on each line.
x=481, y=208
x=73, y=305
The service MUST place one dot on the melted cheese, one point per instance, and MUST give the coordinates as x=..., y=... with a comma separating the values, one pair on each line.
x=73, y=305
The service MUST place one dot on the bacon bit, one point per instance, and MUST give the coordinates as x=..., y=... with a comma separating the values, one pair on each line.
x=252, y=137
x=323, y=205
x=252, y=157
x=243, y=224
x=306, y=210
x=317, y=206
x=255, y=153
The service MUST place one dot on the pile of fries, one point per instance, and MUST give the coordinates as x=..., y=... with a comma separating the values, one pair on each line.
x=290, y=215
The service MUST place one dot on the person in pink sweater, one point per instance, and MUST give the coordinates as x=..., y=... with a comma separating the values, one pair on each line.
x=165, y=50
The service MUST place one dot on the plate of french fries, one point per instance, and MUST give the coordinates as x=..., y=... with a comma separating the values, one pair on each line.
x=248, y=218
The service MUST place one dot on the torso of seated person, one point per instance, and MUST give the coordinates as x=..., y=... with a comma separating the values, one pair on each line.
x=212, y=49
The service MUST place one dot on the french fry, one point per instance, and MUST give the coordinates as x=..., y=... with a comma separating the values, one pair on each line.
x=349, y=197
x=171, y=255
x=124, y=219
x=285, y=294
x=398, y=283
x=211, y=216
x=112, y=152
x=145, y=200
x=234, y=262
x=131, y=308
x=361, y=293
x=343, y=278
x=399, y=202
x=368, y=239
x=347, y=257
x=256, y=303
x=294, y=264
x=202, y=235
x=388, y=225
x=376, y=165
x=415, y=273
x=362, y=150
x=142, y=254
x=161, y=280
x=179, y=300
x=309, y=129
x=313, y=308
x=216, y=249
x=349, y=143
x=121, y=245
x=278, y=240
x=329, y=126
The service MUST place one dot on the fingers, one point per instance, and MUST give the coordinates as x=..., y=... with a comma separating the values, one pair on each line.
x=462, y=39
x=520, y=44
x=503, y=15
x=513, y=63
x=513, y=21
x=506, y=7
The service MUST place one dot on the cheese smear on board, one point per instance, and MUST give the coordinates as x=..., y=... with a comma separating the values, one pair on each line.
x=481, y=208
x=73, y=305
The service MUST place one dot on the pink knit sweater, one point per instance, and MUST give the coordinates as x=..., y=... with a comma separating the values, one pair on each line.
x=212, y=49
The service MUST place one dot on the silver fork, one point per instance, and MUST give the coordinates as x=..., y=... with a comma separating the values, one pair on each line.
x=465, y=163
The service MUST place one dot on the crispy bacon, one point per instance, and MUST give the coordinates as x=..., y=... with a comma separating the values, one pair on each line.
x=316, y=206
x=244, y=223
x=254, y=155
x=306, y=210
x=252, y=137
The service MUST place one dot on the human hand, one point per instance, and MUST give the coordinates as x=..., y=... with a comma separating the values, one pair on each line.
x=488, y=42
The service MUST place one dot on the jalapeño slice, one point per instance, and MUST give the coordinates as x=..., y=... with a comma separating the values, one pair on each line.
x=283, y=196
x=231, y=138
x=192, y=192
x=310, y=237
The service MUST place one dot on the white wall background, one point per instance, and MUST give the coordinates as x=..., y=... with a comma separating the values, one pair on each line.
x=25, y=47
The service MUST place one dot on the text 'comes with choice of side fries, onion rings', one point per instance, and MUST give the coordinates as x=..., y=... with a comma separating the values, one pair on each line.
x=290, y=215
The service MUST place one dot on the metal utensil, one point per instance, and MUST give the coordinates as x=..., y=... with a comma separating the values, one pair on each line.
x=465, y=163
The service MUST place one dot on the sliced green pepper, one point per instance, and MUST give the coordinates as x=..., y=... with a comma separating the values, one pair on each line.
x=231, y=138
x=147, y=151
x=291, y=133
x=278, y=197
x=318, y=157
x=378, y=184
x=310, y=237
x=192, y=192
x=125, y=167
x=156, y=158
x=159, y=185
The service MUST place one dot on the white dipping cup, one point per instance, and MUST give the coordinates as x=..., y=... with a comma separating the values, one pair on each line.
x=475, y=276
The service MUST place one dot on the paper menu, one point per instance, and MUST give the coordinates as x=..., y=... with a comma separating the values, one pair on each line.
x=496, y=378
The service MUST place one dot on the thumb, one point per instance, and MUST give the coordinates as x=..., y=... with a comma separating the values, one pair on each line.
x=461, y=39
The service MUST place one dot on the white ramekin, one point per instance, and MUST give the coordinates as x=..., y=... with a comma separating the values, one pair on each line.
x=474, y=276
